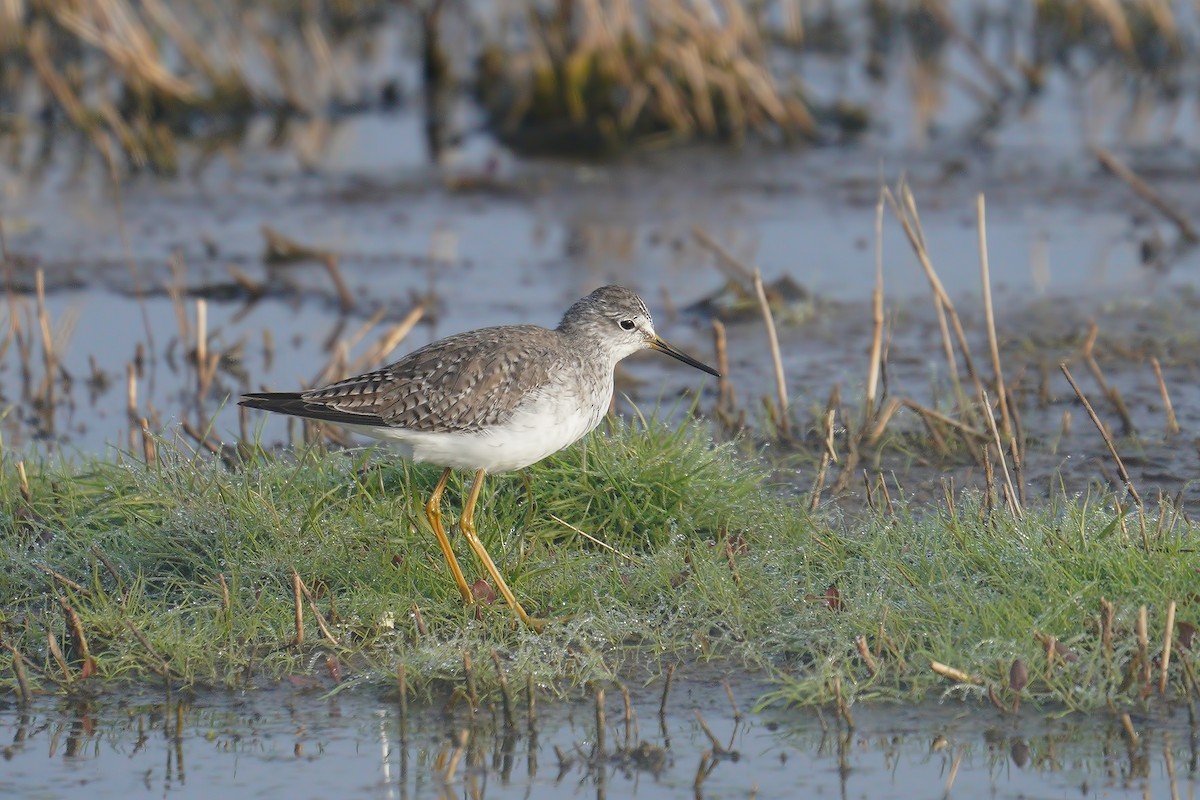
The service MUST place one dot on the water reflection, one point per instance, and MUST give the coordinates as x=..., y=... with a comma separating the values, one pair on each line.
x=293, y=742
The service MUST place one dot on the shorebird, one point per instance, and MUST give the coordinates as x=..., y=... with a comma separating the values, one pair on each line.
x=490, y=400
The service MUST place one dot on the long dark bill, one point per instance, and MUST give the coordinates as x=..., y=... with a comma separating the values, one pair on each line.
x=658, y=344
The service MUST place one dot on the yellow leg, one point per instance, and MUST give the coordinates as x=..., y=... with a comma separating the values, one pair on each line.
x=433, y=511
x=467, y=523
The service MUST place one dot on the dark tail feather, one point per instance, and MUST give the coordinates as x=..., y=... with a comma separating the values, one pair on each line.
x=294, y=404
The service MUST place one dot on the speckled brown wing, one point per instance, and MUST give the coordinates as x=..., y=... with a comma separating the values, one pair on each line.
x=462, y=383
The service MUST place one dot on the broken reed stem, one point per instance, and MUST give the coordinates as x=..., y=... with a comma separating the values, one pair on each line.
x=990, y=317
x=1107, y=439
x=1146, y=192
x=531, y=708
x=864, y=653
x=24, y=694
x=726, y=400
x=1172, y=423
x=600, y=724
x=717, y=746
x=131, y=391
x=149, y=452
x=1130, y=733
x=780, y=383
x=402, y=683
x=1168, y=635
x=662, y=706
x=737, y=712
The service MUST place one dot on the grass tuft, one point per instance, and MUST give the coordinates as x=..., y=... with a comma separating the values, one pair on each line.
x=183, y=569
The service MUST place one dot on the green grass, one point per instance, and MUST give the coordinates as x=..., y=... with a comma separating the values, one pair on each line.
x=149, y=548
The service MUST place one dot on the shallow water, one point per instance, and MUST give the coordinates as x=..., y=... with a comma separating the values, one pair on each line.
x=299, y=743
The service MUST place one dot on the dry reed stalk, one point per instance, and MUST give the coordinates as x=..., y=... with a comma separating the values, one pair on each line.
x=990, y=318
x=717, y=746
x=43, y=317
x=114, y=173
x=57, y=654
x=298, y=604
x=24, y=693
x=201, y=437
x=111, y=26
x=737, y=712
x=733, y=267
x=989, y=483
x=464, y=736
x=881, y=422
x=956, y=675
x=78, y=639
x=864, y=652
x=37, y=48
x=628, y=720
x=1107, y=439
x=1143, y=644
x=226, y=605
x=505, y=696
x=312, y=604
x=419, y=620
x=726, y=399
x=531, y=706
x=1146, y=192
x=1014, y=450
x=968, y=432
x=662, y=705
x=1014, y=505
x=905, y=210
x=941, y=12
x=362, y=330
x=65, y=581
x=596, y=541
x=1168, y=634
x=345, y=298
x=776, y=358
x=23, y=482
x=468, y=673
x=389, y=341
x=1130, y=733
x=1111, y=392
x=1172, y=423
x=599, y=750
x=874, y=366
x=149, y=451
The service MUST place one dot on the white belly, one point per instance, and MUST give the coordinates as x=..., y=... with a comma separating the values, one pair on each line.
x=543, y=426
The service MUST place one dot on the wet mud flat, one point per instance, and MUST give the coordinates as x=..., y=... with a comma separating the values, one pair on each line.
x=702, y=739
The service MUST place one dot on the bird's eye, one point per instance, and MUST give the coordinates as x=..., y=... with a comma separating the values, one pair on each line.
x=627, y=325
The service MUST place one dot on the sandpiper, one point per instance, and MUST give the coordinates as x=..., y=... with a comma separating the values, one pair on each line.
x=490, y=400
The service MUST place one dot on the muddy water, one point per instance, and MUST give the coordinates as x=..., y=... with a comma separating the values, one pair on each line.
x=298, y=742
